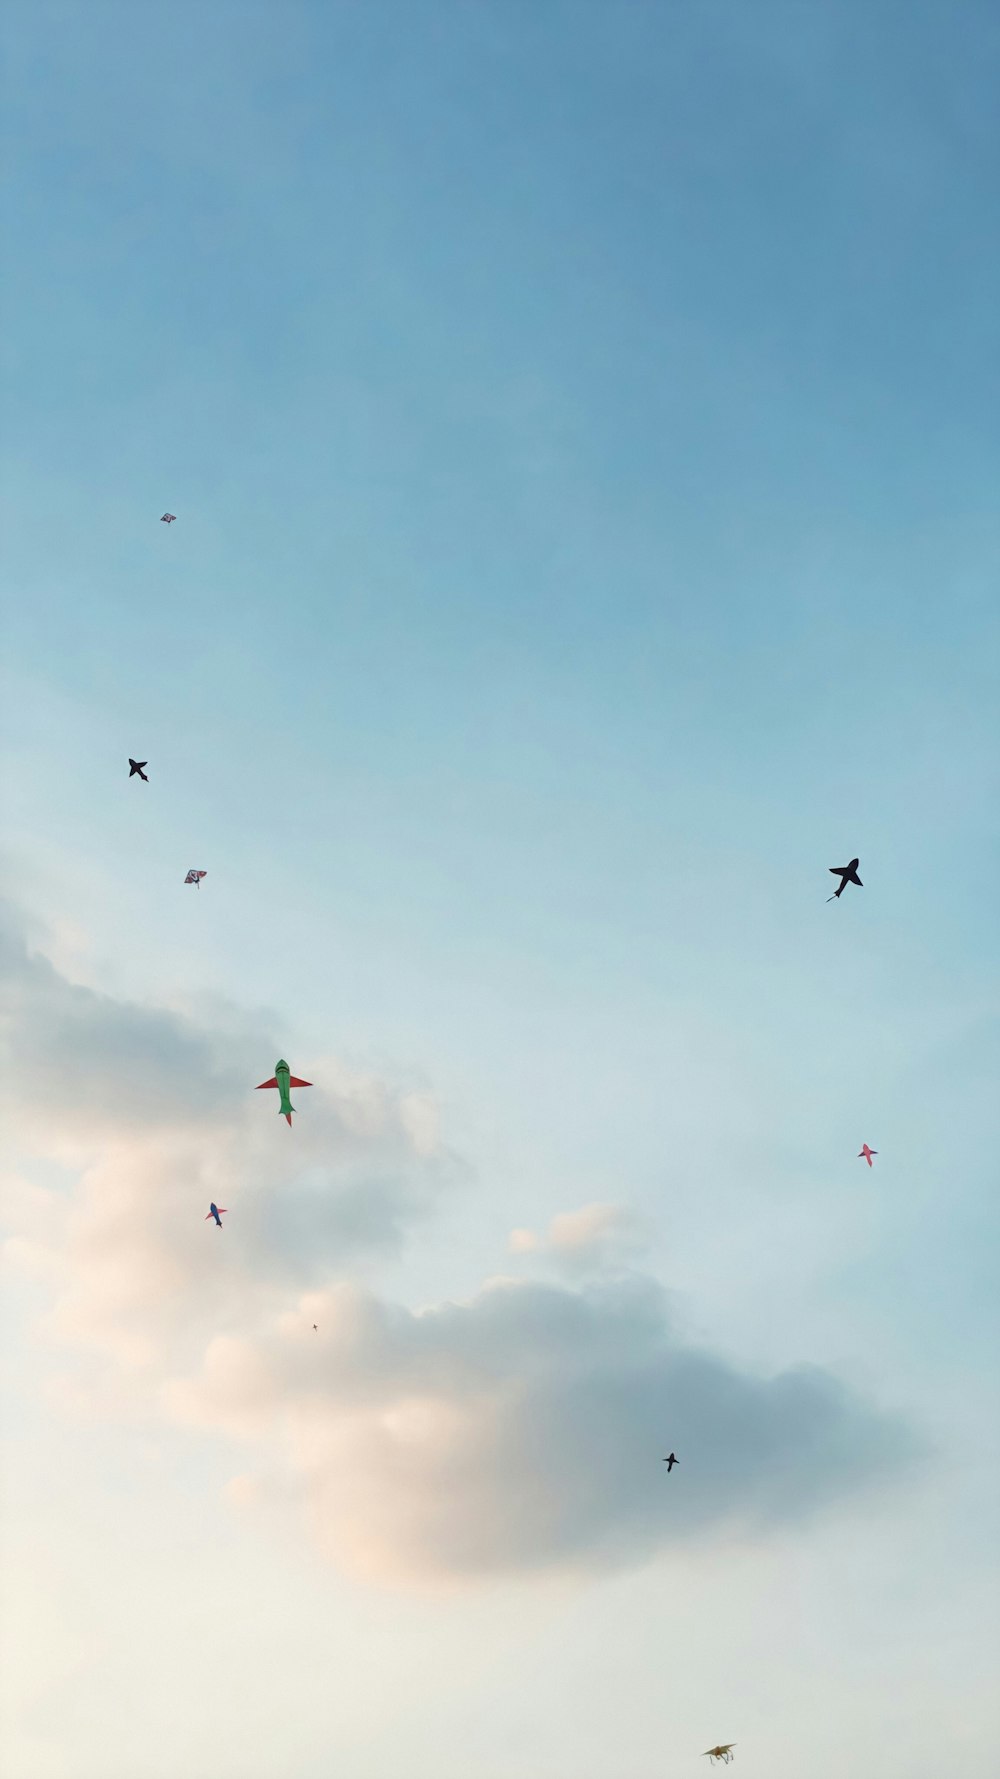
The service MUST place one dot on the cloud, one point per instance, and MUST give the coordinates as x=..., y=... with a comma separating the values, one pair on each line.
x=518, y=1430
x=79, y=1065
x=155, y=1112
x=595, y=1237
x=524, y=1429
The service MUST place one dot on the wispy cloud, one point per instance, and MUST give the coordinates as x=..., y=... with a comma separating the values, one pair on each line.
x=592, y=1238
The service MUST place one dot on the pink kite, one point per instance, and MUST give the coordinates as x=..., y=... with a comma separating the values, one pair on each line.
x=867, y=1153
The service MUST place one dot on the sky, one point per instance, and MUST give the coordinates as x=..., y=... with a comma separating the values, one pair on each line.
x=581, y=424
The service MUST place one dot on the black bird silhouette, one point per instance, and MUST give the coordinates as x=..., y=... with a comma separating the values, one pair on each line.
x=671, y=1461
x=847, y=874
x=137, y=766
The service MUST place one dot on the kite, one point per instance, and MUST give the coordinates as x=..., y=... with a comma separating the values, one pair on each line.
x=722, y=1751
x=137, y=766
x=847, y=874
x=671, y=1461
x=218, y=1212
x=167, y=518
x=283, y=1081
x=867, y=1153
x=195, y=877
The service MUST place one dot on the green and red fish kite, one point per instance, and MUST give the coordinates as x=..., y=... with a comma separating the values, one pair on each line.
x=284, y=1082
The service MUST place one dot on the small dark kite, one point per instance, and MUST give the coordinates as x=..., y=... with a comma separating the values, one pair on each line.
x=847, y=874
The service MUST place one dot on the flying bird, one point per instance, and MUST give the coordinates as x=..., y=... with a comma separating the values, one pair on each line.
x=137, y=766
x=847, y=874
x=671, y=1461
x=167, y=518
x=283, y=1081
x=867, y=1153
x=195, y=877
x=218, y=1212
x=722, y=1751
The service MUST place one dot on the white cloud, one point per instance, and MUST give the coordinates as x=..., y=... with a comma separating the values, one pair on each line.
x=524, y=1429
x=518, y=1430
x=595, y=1237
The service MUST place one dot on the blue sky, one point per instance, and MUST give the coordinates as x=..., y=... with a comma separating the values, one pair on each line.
x=581, y=423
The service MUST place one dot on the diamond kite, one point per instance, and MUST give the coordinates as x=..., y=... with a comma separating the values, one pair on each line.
x=195, y=877
x=847, y=874
x=137, y=766
x=167, y=518
x=867, y=1153
x=218, y=1212
x=283, y=1081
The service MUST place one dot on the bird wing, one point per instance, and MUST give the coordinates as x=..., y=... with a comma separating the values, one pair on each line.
x=271, y=1083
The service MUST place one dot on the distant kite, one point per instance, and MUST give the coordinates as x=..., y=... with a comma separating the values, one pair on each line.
x=722, y=1751
x=137, y=766
x=847, y=874
x=218, y=1212
x=671, y=1461
x=167, y=518
x=195, y=877
x=867, y=1153
x=283, y=1081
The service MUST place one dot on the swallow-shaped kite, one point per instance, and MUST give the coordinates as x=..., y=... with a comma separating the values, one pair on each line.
x=283, y=1081
x=671, y=1461
x=218, y=1212
x=167, y=518
x=722, y=1751
x=137, y=766
x=867, y=1153
x=195, y=877
x=847, y=874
